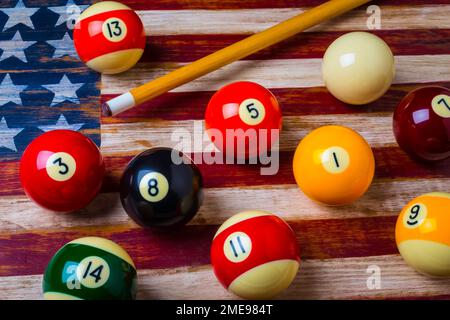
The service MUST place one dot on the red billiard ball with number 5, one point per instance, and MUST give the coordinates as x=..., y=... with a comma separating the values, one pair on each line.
x=243, y=119
x=422, y=123
x=62, y=170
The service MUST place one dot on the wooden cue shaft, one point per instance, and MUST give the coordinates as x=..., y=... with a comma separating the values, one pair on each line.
x=229, y=54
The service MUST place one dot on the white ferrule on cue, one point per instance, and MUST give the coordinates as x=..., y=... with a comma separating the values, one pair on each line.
x=118, y=104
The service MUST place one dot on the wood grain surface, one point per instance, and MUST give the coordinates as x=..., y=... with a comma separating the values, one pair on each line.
x=338, y=244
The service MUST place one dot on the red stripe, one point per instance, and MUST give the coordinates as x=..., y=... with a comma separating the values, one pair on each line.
x=186, y=48
x=29, y=253
x=391, y=163
x=293, y=101
x=250, y=4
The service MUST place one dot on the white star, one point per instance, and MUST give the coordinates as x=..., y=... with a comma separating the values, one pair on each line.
x=19, y=14
x=63, y=47
x=68, y=11
x=62, y=124
x=7, y=135
x=64, y=90
x=14, y=47
x=10, y=91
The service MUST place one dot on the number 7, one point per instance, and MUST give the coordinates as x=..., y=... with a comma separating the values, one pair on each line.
x=442, y=100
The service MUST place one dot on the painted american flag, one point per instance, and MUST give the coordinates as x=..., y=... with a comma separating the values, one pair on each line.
x=44, y=86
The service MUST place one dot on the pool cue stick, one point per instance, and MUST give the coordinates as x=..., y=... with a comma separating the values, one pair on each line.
x=233, y=52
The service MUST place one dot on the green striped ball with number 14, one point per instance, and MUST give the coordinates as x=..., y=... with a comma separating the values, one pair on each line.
x=90, y=268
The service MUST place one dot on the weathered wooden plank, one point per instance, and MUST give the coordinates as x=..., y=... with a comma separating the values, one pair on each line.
x=131, y=138
x=247, y=21
x=250, y=4
x=293, y=102
x=391, y=163
x=186, y=48
x=29, y=252
x=317, y=279
x=287, y=201
x=284, y=73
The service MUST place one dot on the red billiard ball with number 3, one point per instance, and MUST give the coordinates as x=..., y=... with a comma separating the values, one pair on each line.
x=62, y=170
x=246, y=110
x=422, y=123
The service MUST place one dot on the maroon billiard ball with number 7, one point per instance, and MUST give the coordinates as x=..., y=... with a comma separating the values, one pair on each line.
x=62, y=170
x=422, y=123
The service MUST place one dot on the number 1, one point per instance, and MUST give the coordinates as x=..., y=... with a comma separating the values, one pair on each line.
x=336, y=159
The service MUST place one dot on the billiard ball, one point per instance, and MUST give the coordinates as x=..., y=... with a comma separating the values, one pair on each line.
x=161, y=188
x=243, y=119
x=422, y=234
x=422, y=123
x=255, y=255
x=358, y=68
x=90, y=268
x=62, y=170
x=333, y=165
x=109, y=37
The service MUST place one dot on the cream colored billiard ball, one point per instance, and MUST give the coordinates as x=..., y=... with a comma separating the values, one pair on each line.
x=358, y=68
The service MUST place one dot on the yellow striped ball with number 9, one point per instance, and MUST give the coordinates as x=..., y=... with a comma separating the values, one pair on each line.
x=90, y=268
x=423, y=234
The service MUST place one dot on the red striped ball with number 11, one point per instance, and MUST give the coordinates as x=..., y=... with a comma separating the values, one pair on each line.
x=255, y=255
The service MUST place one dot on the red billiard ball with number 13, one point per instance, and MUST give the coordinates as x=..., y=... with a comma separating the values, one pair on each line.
x=109, y=37
x=62, y=170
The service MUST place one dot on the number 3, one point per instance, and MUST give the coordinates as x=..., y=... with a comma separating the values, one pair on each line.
x=60, y=163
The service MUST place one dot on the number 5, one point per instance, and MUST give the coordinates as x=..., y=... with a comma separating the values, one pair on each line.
x=250, y=109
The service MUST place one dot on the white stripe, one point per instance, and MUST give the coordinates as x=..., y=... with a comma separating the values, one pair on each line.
x=131, y=138
x=345, y=278
x=246, y=21
x=280, y=73
x=384, y=198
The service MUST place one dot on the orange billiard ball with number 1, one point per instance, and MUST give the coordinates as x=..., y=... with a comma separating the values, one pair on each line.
x=422, y=234
x=333, y=165
x=109, y=37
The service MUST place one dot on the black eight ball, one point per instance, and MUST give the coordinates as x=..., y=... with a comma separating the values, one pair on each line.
x=157, y=192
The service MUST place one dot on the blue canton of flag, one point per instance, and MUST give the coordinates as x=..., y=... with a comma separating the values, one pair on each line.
x=43, y=84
